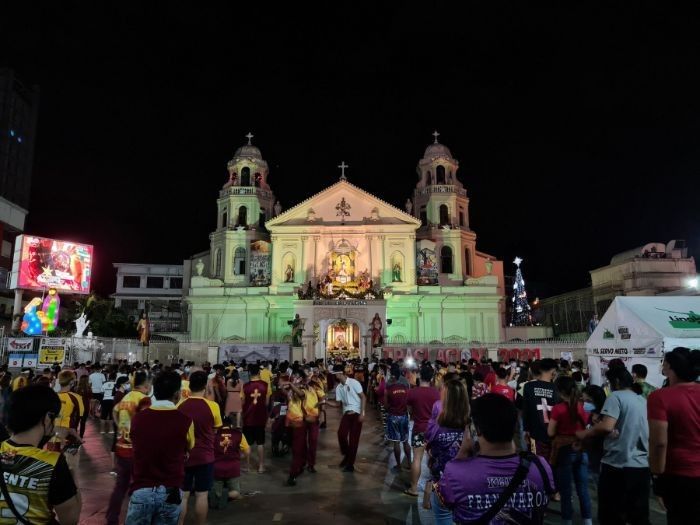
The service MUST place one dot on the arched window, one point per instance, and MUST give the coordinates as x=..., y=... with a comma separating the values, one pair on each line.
x=444, y=214
x=467, y=262
x=245, y=176
x=440, y=174
x=461, y=217
x=423, y=216
x=239, y=261
x=261, y=220
x=224, y=219
x=258, y=180
x=429, y=178
x=242, y=216
x=217, y=263
x=446, y=259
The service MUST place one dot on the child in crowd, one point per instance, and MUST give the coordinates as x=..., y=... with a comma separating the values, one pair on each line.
x=229, y=444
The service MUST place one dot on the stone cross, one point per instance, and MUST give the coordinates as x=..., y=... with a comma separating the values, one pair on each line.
x=436, y=135
x=249, y=136
x=342, y=167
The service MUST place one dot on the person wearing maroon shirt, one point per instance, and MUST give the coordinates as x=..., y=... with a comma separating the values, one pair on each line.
x=254, y=396
x=420, y=405
x=160, y=435
x=199, y=469
x=395, y=400
x=501, y=387
x=674, y=436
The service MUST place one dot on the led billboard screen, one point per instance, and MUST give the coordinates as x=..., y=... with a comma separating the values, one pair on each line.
x=40, y=264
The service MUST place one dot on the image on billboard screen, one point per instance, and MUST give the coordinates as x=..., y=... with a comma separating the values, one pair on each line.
x=49, y=263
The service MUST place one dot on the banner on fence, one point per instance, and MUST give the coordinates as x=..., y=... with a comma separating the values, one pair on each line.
x=52, y=351
x=19, y=344
x=253, y=352
x=15, y=361
x=444, y=354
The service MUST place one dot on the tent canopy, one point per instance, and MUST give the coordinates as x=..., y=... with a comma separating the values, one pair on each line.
x=640, y=330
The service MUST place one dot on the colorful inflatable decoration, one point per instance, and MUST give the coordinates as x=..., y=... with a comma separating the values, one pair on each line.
x=46, y=320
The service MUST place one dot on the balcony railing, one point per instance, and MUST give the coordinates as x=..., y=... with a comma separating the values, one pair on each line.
x=245, y=190
x=442, y=188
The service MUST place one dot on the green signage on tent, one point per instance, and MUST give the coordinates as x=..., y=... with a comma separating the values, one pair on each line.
x=691, y=319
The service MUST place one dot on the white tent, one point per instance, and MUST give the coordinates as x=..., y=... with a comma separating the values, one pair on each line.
x=640, y=330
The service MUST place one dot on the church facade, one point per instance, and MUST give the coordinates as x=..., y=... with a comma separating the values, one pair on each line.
x=358, y=272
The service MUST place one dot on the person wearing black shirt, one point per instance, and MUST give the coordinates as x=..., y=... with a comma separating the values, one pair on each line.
x=38, y=481
x=539, y=397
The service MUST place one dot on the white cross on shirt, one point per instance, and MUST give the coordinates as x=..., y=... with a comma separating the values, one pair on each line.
x=545, y=408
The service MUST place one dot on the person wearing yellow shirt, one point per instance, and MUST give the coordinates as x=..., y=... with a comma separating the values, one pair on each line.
x=21, y=380
x=266, y=375
x=68, y=419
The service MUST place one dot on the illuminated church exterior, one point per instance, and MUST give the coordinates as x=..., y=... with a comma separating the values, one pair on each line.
x=346, y=262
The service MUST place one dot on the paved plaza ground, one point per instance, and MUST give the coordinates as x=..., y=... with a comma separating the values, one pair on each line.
x=371, y=495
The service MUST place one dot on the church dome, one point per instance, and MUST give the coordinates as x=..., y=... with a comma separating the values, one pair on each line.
x=437, y=150
x=248, y=151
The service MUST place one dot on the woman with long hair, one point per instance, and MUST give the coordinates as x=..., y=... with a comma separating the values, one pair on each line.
x=85, y=391
x=567, y=457
x=674, y=436
x=443, y=441
x=233, y=405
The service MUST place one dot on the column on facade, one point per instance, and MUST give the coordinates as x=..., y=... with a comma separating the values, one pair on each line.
x=302, y=269
x=369, y=247
x=385, y=265
x=315, y=269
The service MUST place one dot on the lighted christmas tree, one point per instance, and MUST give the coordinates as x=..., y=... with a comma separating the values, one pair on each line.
x=521, y=314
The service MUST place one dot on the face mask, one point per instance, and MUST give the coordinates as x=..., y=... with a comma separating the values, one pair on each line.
x=127, y=387
x=588, y=406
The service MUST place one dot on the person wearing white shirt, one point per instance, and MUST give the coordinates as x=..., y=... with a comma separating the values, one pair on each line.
x=350, y=397
x=106, y=405
x=97, y=380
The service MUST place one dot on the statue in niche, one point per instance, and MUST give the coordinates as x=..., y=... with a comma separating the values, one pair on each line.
x=376, y=330
x=297, y=330
x=289, y=274
x=396, y=272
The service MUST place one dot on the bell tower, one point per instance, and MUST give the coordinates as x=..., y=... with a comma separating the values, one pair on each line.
x=245, y=203
x=440, y=202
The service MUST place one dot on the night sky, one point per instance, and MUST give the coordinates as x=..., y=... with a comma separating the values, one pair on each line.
x=577, y=132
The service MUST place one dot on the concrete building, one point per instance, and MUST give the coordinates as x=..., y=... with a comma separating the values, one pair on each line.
x=19, y=104
x=155, y=288
x=652, y=269
x=18, y=114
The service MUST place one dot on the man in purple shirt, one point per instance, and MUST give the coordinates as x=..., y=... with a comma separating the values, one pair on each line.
x=471, y=486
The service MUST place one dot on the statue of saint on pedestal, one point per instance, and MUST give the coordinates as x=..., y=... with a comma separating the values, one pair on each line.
x=144, y=329
x=297, y=330
x=376, y=330
x=289, y=274
x=396, y=273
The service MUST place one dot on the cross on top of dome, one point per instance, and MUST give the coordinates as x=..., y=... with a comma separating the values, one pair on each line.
x=436, y=135
x=250, y=136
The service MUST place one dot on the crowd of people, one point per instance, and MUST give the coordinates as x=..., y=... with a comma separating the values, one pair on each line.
x=488, y=442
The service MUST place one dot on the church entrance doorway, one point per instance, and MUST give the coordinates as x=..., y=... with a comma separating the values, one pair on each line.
x=343, y=340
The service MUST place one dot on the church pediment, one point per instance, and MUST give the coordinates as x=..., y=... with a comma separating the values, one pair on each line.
x=342, y=204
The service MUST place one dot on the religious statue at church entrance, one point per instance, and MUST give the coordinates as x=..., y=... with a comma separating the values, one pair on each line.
x=297, y=330
x=144, y=329
x=289, y=274
x=396, y=273
x=376, y=330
